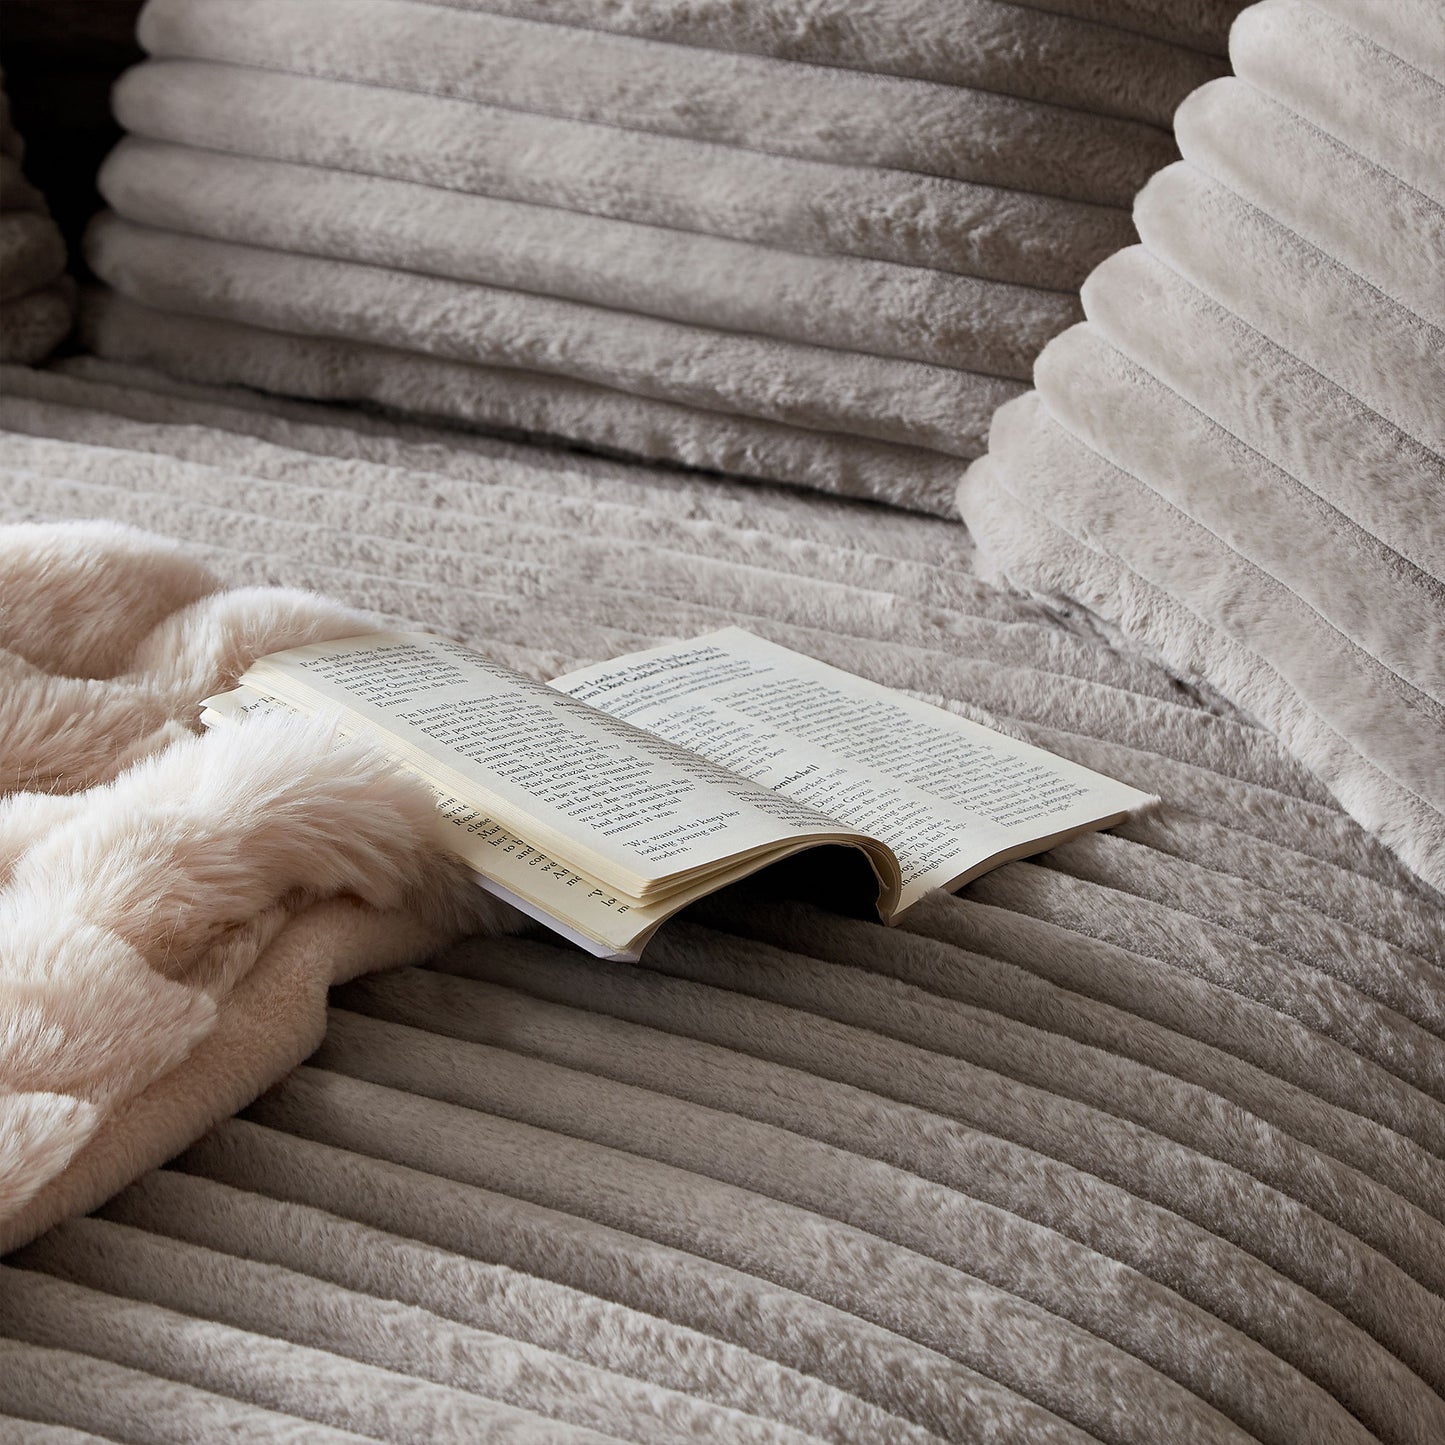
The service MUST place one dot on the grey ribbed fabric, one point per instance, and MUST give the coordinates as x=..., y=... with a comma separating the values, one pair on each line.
x=1141, y=1141
x=1239, y=458
x=751, y=239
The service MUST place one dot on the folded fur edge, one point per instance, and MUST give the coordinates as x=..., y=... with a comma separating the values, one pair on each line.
x=77, y=597
x=419, y=904
x=922, y=40
x=55, y=574
x=844, y=302
x=1093, y=73
x=1346, y=84
x=272, y=1020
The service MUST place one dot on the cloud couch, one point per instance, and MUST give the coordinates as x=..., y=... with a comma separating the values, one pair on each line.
x=1141, y=1140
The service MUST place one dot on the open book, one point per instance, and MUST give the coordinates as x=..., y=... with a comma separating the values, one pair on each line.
x=605, y=801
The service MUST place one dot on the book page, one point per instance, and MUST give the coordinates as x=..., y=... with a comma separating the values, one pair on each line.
x=617, y=802
x=949, y=796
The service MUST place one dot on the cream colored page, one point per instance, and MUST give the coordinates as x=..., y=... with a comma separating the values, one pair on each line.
x=494, y=853
x=619, y=801
x=945, y=793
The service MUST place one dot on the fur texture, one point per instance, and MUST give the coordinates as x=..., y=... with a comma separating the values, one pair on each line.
x=145, y=871
x=779, y=202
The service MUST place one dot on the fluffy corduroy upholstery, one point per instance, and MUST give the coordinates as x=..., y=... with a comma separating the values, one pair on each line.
x=1140, y=1141
x=1239, y=458
x=802, y=243
x=164, y=952
x=37, y=298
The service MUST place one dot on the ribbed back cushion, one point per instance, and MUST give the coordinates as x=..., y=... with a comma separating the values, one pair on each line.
x=1238, y=457
x=812, y=242
x=37, y=299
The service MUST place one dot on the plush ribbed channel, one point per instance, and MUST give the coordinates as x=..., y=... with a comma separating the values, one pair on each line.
x=812, y=243
x=1140, y=1141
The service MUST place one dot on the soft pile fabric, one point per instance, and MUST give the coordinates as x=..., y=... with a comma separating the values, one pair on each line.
x=1237, y=460
x=37, y=298
x=1139, y=1141
x=816, y=244
x=165, y=955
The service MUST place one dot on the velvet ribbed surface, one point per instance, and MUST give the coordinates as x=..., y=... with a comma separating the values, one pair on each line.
x=1239, y=458
x=812, y=243
x=1143, y=1140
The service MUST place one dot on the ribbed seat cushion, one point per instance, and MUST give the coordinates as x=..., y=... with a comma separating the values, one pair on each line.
x=1137, y=1142
x=816, y=244
x=1239, y=458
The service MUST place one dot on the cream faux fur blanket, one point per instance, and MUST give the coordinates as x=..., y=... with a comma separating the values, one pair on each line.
x=173, y=906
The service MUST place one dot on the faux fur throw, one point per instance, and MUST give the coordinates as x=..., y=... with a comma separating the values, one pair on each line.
x=809, y=243
x=173, y=906
x=1239, y=458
